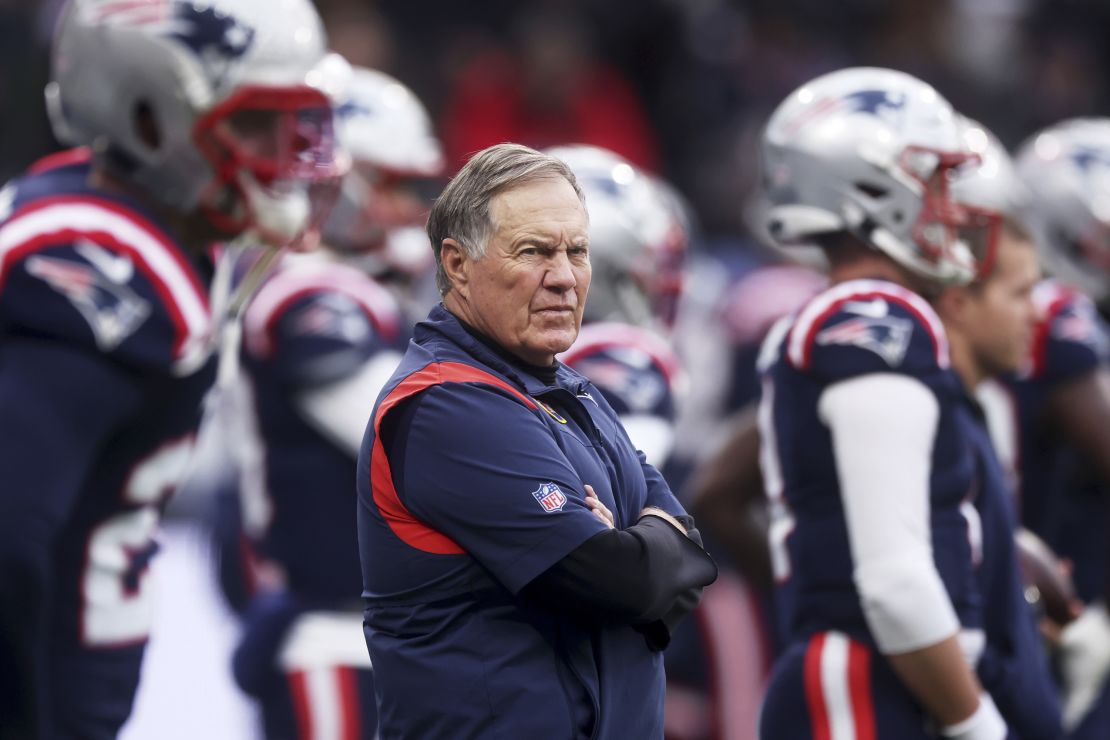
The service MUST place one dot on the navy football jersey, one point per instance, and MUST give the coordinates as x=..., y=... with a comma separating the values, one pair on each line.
x=1058, y=499
x=855, y=329
x=1014, y=666
x=640, y=376
x=634, y=368
x=313, y=322
x=104, y=360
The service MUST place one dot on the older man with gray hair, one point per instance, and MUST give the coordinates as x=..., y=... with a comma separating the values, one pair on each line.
x=523, y=565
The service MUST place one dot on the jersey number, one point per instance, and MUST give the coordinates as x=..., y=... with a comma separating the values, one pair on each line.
x=117, y=600
x=782, y=519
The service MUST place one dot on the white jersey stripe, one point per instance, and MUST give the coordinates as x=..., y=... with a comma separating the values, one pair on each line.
x=150, y=250
x=834, y=686
x=322, y=685
x=781, y=518
x=308, y=275
x=815, y=310
x=322, y=639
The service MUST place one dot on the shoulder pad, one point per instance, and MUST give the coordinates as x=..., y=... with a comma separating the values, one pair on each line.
x=1070, y=338
x=635, y=368
x=771, y=349
x=308, y=311
x=866, y=326
x=81, y=268
x=66, y=158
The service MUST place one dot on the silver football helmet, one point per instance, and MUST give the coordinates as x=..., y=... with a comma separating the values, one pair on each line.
x=871, y=151
x=1066, y=168
x=638, y=238
x=388, y=134
x=212, y=106
x=990, y=181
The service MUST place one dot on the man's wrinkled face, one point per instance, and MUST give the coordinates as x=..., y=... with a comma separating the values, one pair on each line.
x=528, y=290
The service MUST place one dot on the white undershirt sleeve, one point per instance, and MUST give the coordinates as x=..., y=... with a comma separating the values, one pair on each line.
x=883, y=427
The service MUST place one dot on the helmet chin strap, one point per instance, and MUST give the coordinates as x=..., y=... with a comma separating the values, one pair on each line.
x=229, y=297
x=279, y=215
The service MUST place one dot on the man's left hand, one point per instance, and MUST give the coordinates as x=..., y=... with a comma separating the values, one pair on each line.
x=598, y=508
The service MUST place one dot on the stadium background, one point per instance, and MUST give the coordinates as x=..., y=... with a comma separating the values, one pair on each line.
x=680, y=87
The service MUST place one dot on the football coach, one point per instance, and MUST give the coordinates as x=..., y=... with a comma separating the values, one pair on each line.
x=522, y=564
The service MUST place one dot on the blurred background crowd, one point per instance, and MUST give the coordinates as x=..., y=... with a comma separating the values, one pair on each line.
x=680, y=87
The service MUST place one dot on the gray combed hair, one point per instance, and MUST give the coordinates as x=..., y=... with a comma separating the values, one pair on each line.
x=462, y=211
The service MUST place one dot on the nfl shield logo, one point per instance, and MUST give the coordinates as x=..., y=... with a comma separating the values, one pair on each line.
x=550, y=497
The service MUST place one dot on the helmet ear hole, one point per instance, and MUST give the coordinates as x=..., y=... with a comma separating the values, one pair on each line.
x=874, y=192
x=146, y=125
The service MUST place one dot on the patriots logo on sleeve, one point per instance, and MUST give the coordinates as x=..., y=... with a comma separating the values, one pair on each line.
x=886, y=336
x=550, y=497
x=99, y=291
x=333, y=315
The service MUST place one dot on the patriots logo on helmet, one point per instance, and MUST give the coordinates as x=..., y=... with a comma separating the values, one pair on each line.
x=880, y=103
x=1086, y=158
x=886, y=336
x=218, y=39
x=112, y=309
x=352, y=108
x=207, y=31
x=1094, y=168
x=550, y=497
x=875, y=102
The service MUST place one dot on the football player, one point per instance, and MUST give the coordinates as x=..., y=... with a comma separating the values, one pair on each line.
x=200, y=121
x=321, y=337
x=638, y=238
x=639, y=233
x=1061, y=441
x=867, y=436
x=990, y=326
